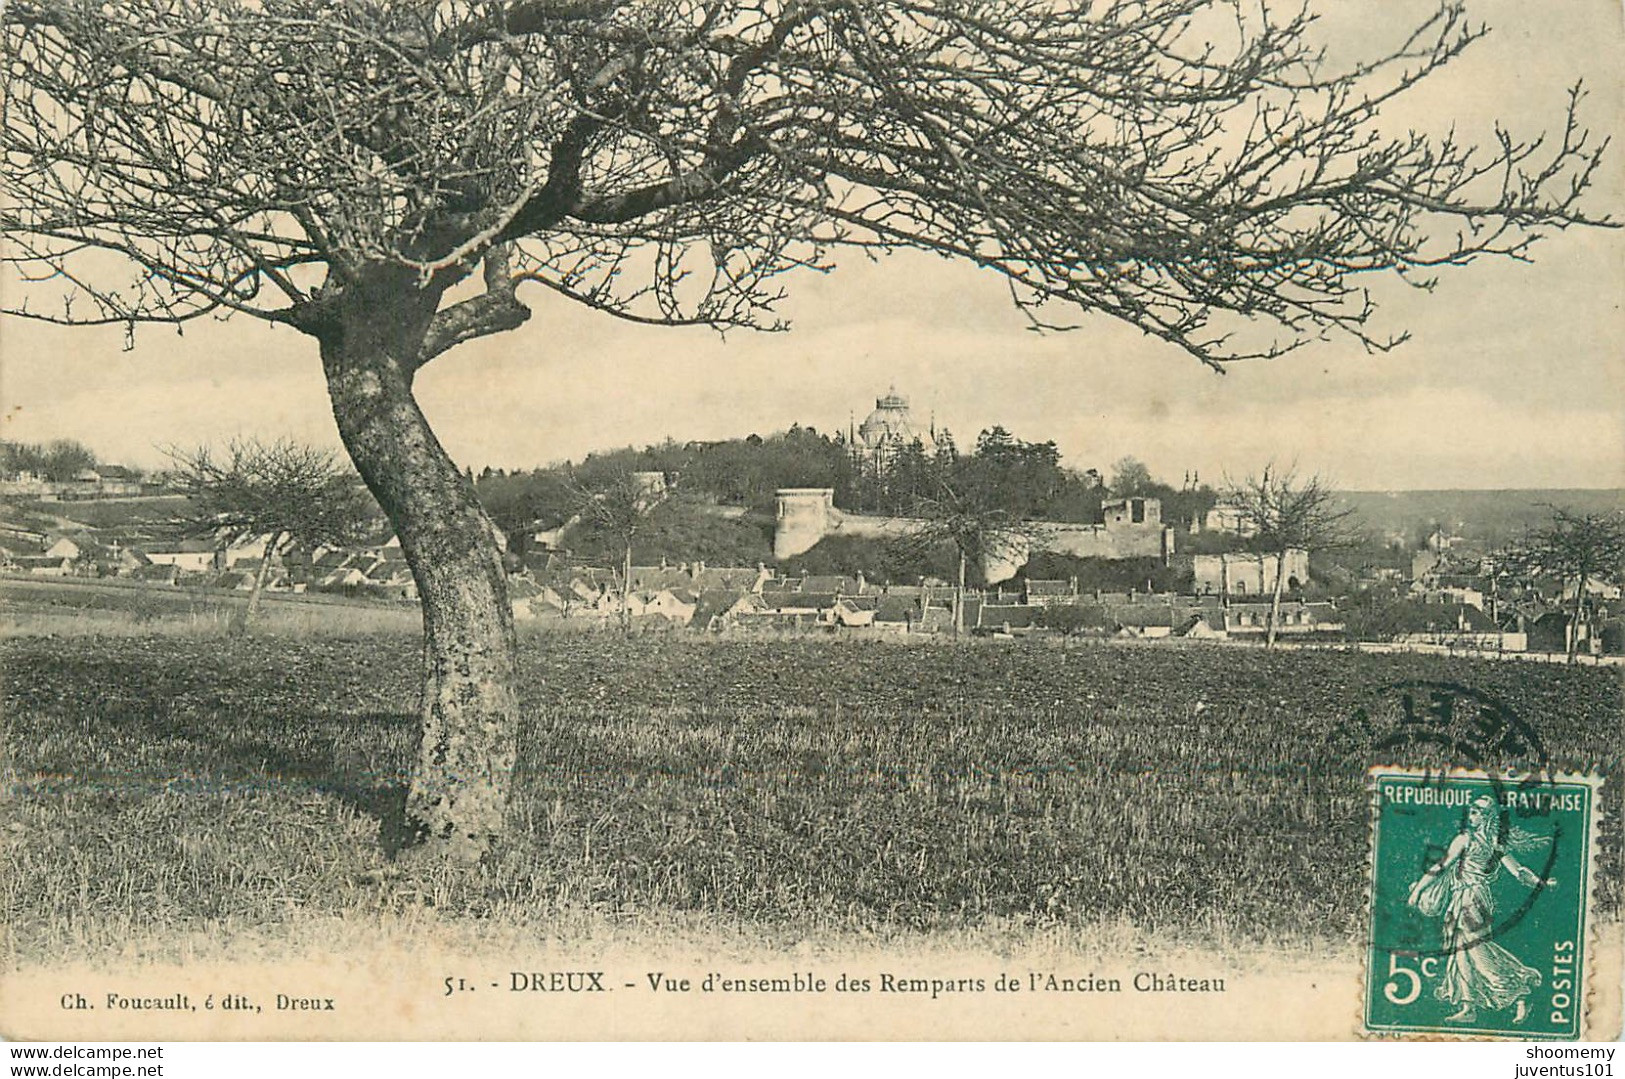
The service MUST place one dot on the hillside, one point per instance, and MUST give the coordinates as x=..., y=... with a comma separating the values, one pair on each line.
x=1487, y=518
x=100, y=513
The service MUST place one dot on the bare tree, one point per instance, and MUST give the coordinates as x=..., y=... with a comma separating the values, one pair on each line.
x=982, y=535
x=1281, y=512
x=284, y=492
x=622, y=508
x=384, y=177
x=1575, y=549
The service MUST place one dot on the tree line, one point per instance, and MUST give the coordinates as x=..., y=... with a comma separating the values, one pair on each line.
x=1021, y=479
x=57, y=461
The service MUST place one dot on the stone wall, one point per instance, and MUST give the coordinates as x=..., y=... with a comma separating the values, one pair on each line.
x=1113, y=541
x=808, y=514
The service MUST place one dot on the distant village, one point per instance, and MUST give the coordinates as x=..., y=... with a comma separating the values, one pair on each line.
x=1451, y=599
x=162, y=547
x=1440, y=593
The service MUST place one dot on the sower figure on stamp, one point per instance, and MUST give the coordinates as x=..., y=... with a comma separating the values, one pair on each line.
x=1478, y=973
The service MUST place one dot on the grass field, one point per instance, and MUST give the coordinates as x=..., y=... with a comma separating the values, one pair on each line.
x=71, y=607
x=169, y=790
x=103, y=512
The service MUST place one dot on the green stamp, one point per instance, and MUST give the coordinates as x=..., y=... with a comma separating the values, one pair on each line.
x=1479, y=893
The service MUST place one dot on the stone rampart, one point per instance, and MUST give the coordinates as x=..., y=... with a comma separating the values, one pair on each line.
x=808, y=514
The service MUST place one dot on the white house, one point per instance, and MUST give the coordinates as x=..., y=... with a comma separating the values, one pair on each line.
x=663, y=604
x=189, y=556
x=245, y=549
x=43, y=565
x=1239, y=573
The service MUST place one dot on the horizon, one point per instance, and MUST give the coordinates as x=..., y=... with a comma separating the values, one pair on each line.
x=102, y=460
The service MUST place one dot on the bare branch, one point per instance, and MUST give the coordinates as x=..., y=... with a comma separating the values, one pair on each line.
x=495, y=310
x=277, y=488
x=1195, y=168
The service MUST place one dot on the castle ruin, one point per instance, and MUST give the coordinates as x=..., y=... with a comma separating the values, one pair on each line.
x=1132, y=528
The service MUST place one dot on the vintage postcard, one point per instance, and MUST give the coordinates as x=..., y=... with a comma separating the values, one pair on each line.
x=749, y=519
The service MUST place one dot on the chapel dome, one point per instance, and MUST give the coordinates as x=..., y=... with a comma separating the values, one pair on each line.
x=890, y=427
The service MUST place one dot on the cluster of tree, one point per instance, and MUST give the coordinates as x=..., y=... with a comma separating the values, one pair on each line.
x=56, y=461
x=673, y=531
x=1024, y=480
x=747, y=471
x=1110, y=574
x=895, y=561
x=743, y=472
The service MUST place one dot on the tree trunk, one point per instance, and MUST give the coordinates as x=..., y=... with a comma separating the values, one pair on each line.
x=470, y=712
x=626, y=594
x=1275, y=601
x=959, y=599
x=1574, y=619
x=245, y=614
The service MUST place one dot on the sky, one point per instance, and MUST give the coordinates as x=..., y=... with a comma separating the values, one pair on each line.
x=1514, y=375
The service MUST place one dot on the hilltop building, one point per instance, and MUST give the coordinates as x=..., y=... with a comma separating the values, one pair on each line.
x=890, y=429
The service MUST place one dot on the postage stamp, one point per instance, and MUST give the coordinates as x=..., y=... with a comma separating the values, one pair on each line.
x=1480, y=888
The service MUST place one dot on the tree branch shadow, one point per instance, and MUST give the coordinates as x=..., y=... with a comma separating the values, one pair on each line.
x=362, y=759
x=330, y=754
